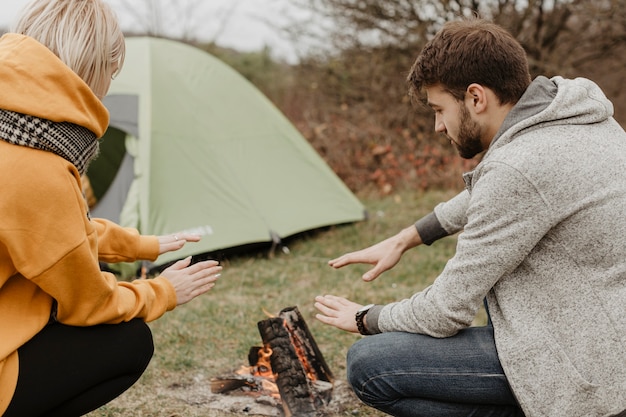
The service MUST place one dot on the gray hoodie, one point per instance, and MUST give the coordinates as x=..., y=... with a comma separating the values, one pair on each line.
x=543, y=221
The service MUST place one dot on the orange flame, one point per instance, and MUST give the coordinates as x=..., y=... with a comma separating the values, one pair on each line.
x=262, y=370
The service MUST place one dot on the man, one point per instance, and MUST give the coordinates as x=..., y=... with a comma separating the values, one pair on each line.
x=542, y=242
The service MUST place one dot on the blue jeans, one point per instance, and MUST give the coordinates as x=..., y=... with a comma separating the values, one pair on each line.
x=404, y=374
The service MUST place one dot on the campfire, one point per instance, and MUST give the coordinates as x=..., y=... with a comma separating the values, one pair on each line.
x=289, y=368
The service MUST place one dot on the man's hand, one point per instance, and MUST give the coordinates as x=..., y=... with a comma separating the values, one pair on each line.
x=337, y=311
x=383, y=255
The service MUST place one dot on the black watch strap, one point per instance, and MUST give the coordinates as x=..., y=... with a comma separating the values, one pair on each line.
x=360, y=316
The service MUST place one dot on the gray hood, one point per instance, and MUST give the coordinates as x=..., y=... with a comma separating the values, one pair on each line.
x=549, y=102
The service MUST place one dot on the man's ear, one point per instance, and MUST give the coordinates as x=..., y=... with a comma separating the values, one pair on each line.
x=477, y=98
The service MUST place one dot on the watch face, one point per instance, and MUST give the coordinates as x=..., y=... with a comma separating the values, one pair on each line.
x=366, y=308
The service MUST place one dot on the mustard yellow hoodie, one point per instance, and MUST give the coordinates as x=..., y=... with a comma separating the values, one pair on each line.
x=49, y=247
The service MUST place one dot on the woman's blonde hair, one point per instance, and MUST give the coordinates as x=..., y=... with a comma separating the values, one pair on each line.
x=84, y=34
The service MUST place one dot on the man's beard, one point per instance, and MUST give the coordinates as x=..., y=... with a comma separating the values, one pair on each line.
x=468, y=142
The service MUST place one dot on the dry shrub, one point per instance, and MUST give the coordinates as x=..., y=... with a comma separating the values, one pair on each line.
x=354, y=110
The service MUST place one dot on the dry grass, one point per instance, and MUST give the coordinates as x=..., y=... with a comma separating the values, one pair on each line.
x=211, y=336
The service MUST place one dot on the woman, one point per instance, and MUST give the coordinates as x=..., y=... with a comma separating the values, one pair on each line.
x=72, y=338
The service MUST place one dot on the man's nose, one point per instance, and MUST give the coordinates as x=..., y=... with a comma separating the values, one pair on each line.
x=440, y=127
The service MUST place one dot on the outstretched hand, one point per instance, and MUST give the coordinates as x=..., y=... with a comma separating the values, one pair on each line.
x=383, y=255
x=337, y=311
x=175, y=241
x=190, y=281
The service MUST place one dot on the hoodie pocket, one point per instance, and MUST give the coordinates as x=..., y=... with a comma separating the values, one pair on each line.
x=547, y=383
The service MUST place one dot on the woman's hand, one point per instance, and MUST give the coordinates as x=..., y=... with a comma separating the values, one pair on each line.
x=190, y=281
x=337, y=311
x=169, y=243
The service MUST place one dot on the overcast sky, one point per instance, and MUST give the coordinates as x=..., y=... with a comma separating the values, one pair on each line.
x=240, y=24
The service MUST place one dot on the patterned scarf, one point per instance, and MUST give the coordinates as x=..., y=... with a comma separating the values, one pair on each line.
x=76, y=144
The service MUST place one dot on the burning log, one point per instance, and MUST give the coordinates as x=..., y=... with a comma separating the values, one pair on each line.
x=255, y=380
x=303, y=378
x=289, y=367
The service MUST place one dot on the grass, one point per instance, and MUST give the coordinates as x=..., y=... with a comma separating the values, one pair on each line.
x=211, y=335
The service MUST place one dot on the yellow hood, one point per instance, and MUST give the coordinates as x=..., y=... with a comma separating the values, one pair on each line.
x=34, y=81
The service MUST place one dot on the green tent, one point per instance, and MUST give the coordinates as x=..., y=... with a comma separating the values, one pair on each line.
x=193, y=146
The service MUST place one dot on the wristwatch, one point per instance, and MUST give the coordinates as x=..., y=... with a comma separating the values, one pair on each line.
x=360, y=315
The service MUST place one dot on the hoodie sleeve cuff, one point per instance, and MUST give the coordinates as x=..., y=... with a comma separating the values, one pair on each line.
x=172, y=299
x=371, y=319
x=430, y=229
x=148, y=248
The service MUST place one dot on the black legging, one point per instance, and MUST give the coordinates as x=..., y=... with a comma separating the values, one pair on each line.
x=70, y=371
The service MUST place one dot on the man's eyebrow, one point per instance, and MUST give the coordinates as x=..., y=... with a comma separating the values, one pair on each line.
x=424, y=101
x=431, y=104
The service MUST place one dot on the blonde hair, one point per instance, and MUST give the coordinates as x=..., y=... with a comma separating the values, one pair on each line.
x=84, y=34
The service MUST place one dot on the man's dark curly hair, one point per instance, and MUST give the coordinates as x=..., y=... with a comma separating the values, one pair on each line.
x=472, y=51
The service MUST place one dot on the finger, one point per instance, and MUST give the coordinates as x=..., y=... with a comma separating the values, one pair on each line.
x=204, y=285
x=206, y=264
x=372, y=274
x=323, y=300
x=204, y=268
x=360, y=257
x=188, y=237
x=171, y=246
x=325, y=319
x=213, y=278
x=176, y=241
x=193, y=238
x=173, y=239
x=332, y=306
x=201, y=266
x=189, y=289
x=203, y=289
x=181, y=264
x=377, y=270
x=205, y=276
x=341, y=261
x=324, y=309
x=334, y=301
